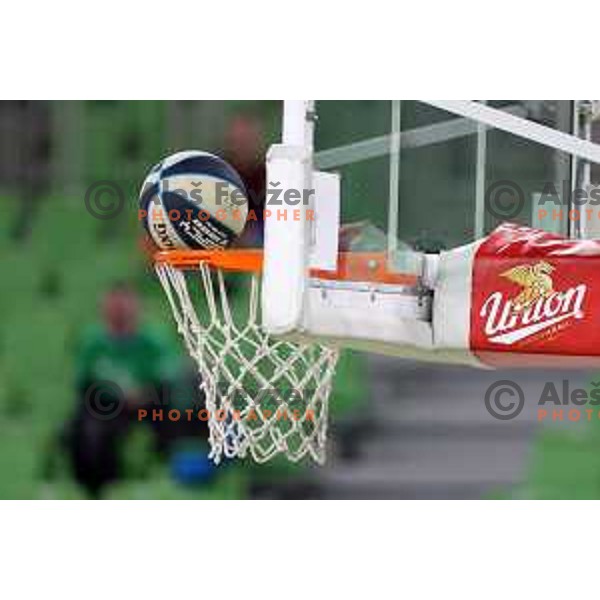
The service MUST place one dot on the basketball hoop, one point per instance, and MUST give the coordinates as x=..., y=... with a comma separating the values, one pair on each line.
x=264, y=396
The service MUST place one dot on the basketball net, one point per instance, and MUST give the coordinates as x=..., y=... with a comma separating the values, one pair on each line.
x=264, y=396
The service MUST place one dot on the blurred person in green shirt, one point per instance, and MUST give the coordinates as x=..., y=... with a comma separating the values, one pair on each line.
x=120, y=368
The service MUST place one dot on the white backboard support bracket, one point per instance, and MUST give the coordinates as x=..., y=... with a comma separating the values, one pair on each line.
x=287, y=239
x=326, y=231
x=520, y=127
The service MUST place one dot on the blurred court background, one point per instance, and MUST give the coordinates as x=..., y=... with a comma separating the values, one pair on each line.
x=400, y=428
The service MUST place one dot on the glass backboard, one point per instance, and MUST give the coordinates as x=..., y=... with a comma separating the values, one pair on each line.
x=435, y=180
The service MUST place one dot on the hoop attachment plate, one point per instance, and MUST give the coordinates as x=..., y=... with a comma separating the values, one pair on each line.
x=352, y=266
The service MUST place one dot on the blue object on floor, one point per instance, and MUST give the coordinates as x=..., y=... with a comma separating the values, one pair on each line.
x=192, y=467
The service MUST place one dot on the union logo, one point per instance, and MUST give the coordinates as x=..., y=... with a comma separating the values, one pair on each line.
x=537, y=307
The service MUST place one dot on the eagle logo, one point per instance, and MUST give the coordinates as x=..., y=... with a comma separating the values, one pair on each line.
x=535, y=280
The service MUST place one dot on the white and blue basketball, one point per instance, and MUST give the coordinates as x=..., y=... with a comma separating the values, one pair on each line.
x=193, y=200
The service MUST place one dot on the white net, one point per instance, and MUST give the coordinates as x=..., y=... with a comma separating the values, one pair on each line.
x=264, y=396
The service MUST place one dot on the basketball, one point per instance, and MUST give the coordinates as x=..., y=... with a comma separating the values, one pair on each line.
x=193, y=200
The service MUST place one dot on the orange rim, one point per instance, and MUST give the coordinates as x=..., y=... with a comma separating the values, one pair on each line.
x=365, y=266
x=352, y=266
x=229, y=260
